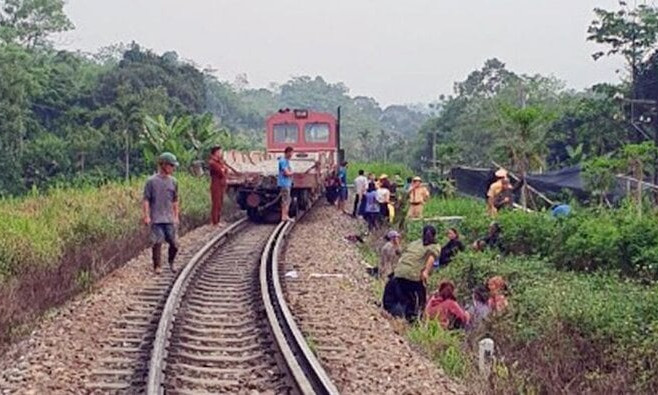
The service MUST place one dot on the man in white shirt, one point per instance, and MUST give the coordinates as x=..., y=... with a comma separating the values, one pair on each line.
x=360, y=186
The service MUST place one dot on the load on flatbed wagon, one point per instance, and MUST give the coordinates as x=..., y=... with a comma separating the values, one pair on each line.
x=314, y=136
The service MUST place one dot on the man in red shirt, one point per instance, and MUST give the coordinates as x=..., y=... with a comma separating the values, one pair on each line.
x=218, y=180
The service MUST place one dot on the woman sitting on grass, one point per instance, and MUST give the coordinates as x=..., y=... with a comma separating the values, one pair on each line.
x=443, y=307
x=480, y=309
x=497, y=300
x=406, y=295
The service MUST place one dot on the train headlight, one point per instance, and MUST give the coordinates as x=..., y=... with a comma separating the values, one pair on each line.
x=253, y=200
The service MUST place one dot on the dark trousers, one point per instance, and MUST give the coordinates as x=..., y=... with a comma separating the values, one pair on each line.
x=332, y=195
x=372, y=219
x=357, y=207
x=163, y=233
x=405, y=298
x=383, y=212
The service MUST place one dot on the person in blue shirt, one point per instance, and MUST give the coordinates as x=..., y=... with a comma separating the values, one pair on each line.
x=342, y=188
x=371, y=207
x=284, y=182
x=560, y=210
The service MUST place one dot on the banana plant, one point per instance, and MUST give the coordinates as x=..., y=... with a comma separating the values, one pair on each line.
x=189, y=138
x=159, y=136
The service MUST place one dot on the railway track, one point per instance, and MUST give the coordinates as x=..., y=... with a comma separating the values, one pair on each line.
x=221, y=326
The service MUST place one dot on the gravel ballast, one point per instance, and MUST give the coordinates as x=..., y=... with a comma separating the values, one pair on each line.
x=59, y=354
x=333, y=301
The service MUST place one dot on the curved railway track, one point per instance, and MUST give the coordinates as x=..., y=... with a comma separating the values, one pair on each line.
x=224, y=326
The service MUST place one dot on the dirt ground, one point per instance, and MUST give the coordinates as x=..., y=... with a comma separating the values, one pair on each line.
x=333, y=299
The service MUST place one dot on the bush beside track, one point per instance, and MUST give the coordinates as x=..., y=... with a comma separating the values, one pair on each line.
x=55, y=245
x=583, y=314
x=589, y=240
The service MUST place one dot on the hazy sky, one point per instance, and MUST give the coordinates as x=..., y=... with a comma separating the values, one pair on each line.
x=403, y=51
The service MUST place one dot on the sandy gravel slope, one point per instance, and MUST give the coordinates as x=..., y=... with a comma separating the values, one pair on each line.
x=334, y=303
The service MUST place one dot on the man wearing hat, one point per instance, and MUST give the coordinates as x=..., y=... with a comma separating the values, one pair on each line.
x=161, y=210
x=498, y=193
x=418, y=196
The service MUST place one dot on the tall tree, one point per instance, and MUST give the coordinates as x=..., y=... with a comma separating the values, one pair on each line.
x=629, y=31
x=29, y=22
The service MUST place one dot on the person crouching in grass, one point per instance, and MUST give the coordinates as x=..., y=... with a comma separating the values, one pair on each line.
x=405, y=294
x=161, y=210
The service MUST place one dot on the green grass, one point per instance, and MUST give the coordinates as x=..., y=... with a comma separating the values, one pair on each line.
x=378, y=168
x=444, y=347
x=36, y=231
x=472, y=226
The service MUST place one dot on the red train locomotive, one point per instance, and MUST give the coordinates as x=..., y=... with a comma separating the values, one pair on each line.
x=315, y=137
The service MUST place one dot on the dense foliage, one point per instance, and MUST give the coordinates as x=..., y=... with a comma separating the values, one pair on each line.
x=72, y=118
x=590, y=239
x=580, y=324
x=525, y=122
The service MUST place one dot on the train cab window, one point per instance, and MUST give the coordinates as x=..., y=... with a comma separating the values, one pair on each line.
x=285, y=133
x=316, y=132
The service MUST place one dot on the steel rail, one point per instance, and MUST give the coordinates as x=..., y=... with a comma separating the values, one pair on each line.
x=159, y=348
x=309, y=376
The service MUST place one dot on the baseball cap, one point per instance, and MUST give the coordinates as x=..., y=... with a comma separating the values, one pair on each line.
x=501, y=173
x=392, y=235
x=168, y=157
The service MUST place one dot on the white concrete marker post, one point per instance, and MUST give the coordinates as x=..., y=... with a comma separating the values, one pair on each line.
x=486, y=355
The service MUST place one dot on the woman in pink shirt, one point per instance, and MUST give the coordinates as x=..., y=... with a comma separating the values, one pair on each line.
x=443, y=307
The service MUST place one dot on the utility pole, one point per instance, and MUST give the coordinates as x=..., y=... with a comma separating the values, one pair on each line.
x=654, y=118
x=433, y=150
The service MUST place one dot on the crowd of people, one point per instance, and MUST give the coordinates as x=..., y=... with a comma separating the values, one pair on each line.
x=407, y=270
x=376, y=199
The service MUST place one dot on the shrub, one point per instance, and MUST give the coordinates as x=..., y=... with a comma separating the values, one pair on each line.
x=472, y=226
x=639, y=246
x=589, y=239
x=527, y=233
x=596, y=331
x=587, y=242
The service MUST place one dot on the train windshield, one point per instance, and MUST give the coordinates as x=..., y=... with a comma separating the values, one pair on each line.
x=286, y=133
x=316, y=132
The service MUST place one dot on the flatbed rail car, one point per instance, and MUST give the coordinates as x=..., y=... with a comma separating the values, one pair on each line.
x=314, y=136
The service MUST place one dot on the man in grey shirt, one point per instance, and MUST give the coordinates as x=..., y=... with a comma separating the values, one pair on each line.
x=161, y=210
